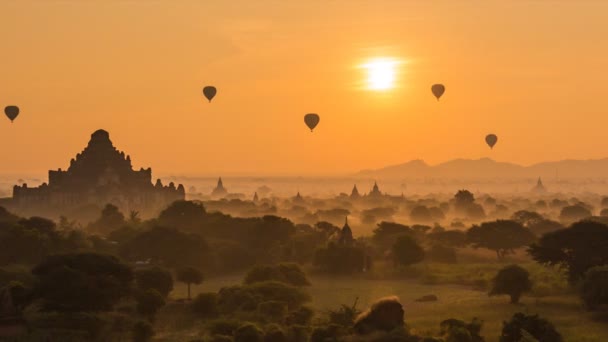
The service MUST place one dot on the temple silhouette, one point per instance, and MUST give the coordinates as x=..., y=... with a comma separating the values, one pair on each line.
x=100, y=174
x=219, y=191
x=539, y=188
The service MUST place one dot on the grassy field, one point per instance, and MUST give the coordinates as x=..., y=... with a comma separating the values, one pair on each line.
x=455, y=301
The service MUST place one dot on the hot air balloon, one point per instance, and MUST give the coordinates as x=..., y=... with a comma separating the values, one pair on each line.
x=209, y=92
x=491, y=140
x=11, y=112
x=311, y=120
x=438, y=90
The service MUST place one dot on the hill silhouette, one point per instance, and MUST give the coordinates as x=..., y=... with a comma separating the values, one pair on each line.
x=489, y=168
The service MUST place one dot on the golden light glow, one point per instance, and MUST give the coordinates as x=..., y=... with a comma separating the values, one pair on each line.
x=381, y=73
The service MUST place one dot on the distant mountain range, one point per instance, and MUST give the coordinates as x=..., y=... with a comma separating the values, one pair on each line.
x=488, y=168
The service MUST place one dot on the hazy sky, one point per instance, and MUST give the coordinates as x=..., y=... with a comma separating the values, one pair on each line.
x=532, y=72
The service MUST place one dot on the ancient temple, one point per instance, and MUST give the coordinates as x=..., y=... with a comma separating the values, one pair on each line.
x=539, y=188
x=100, y=174
x=375, y=191
x=355, y=193
x=346, y=234
x=219, y=190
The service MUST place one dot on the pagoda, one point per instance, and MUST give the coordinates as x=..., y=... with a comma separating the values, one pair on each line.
x=539, y=188
x=219, y=190
x=346, y=234
x=355, y=193
x=375, y=191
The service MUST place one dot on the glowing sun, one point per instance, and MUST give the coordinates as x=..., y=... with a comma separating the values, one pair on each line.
x=380, y=73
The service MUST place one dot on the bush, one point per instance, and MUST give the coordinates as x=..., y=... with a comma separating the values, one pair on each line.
x=298, y=333
x=286, y=273
x=326, y=333
x=302, y=316
x=248, y=332
x=454, y=330
x=275, y=333
x=386, y=314
x=538, y=327
x=149, y=302
x=340, y=259
x=154, y=278
x=574, y=213
x=513, y=281
x=222, y=327
x=142, y=332
x=593, y=290
x=248, y=297
x=406, y=251
x=205, y=304
x=273, y=310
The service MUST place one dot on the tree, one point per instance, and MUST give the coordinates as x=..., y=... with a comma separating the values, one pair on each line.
x=185, y=215
x=342, y=259
x=452, y=238
x=285, y=272
x=111, y=219
x=463, y=200
x=149, y=302
x=475, y=212
x=386, y=232
x=421, y=213
x=82, y=282
x=248, y=297
x=511, y=280
x=501, y=236
x=538, y=327
x=205, y=304
x=134, y=218
x=154, y=278
x=189, y=275
x=385, y=314
x=544, y=226
x=576, y=248
x=527, y=218
x=248, y=333
x=142, y=331
x=406, y=251
x=166, y=245
x=593, y=289
x=455, y=330
x=573, y=213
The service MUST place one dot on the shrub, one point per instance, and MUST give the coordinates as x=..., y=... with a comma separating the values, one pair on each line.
x=205, y=304
x=593, y=289
x=513, y=281
x=275, y=333
x=154, y=278
x=149, y=302
x=386, y=314
x=142, y=331
x=454, y=330
x=406, y=251
x=538, y=327
x=302, y=316
x=223, y=327
x=286, y=273
x=248, y=332
x=273, y=310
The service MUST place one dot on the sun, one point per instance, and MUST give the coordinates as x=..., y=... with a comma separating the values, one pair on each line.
x=380, y=73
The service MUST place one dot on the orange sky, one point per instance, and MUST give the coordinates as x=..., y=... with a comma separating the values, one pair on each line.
x=530, y=71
